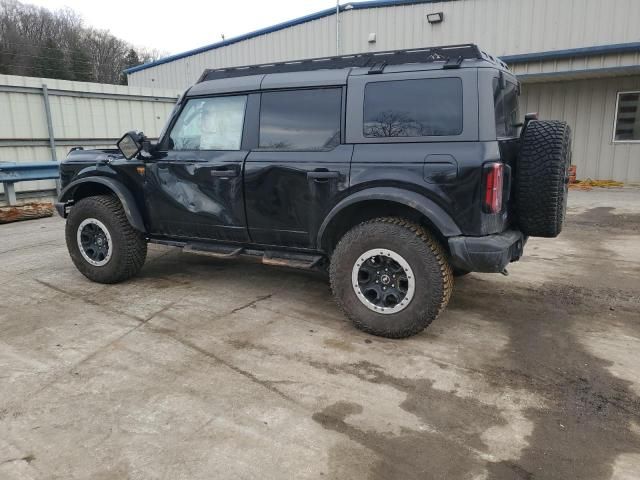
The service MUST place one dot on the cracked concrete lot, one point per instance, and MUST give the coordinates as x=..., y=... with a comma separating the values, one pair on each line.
x=206, y=369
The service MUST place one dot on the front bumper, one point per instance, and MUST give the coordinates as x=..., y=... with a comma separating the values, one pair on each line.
x=490, y=254
x=61, y=208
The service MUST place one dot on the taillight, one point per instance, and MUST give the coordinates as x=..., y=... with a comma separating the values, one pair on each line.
x=493, y=181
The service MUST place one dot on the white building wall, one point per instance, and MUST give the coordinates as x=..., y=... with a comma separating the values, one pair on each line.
x=589, y=107
x=93, y=115
x=501, y=27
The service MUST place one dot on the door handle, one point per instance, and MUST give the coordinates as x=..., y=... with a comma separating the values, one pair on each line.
x=224, y=173
x=322, y=175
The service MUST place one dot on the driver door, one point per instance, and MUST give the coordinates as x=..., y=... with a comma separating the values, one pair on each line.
x=194, y=189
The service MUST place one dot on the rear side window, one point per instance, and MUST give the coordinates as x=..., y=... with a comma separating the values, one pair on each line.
x=506, y=105
x=413, y=108
x=300, y=119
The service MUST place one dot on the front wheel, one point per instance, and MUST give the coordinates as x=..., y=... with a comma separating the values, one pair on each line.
x=390, y=277
x=102, y=243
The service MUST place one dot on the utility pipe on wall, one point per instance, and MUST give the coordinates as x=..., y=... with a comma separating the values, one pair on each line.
x=337, y=27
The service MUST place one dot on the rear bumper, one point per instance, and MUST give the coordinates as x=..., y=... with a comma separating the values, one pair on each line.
x=491, y=253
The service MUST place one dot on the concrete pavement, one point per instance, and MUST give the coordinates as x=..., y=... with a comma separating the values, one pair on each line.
x=206, y=369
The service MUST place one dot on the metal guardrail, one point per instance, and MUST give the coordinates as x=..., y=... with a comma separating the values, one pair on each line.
x=11, y=173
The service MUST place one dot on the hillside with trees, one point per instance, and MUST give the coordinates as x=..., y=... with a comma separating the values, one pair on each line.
x=38, y=42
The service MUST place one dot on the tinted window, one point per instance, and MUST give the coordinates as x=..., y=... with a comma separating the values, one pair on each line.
x=209, y=124
x=506, y=105
x=413, y=108
x=300, y=119
x=628, y=117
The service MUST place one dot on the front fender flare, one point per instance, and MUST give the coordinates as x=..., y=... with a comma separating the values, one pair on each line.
x=427, y=207
x=125, y=196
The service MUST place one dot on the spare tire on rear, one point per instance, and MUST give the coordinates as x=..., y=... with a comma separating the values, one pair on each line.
x=542, y=178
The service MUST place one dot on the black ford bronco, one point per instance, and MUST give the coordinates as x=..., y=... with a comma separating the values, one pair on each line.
x=394, y=171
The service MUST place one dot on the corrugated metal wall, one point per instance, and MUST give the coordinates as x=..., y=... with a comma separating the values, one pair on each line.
x=83, y=114
x=502, y=27
x=589, y=107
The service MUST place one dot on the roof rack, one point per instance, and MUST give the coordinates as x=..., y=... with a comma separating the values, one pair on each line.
x=451, y=56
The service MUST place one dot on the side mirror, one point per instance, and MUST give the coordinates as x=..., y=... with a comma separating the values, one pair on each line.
x=130, y=144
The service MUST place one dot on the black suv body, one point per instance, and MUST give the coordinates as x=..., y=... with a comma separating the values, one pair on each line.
x=285, y=161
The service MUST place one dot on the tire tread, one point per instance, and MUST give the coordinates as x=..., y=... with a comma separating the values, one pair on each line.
x=541, y=178
x=135, y=245
x=439, y=253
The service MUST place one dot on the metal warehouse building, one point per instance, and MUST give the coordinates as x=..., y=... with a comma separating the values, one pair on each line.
x=578, y=60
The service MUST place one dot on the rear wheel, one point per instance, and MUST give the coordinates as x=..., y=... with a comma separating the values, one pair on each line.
x=390, y=277
x=102, y=243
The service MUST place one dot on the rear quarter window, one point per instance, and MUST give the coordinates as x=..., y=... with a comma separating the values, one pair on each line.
x=506, y=107
x=413, y=108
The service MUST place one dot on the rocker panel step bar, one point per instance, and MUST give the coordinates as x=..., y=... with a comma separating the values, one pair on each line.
x=299, y=260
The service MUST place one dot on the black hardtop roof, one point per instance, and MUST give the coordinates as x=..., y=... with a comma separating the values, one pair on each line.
x=451, y=56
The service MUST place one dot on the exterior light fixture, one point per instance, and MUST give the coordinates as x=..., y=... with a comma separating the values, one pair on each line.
x=435, y=17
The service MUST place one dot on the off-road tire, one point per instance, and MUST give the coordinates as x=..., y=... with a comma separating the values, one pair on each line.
x=426, y=257
x=542, y=178
x=129, y=245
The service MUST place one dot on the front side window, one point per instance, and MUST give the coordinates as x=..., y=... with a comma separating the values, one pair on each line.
x=506, y=107
x=413, y=108
x=303, y=120
x=209, y=124
x=627, y=128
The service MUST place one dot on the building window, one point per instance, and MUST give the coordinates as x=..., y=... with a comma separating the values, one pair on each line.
x=413, y=108
x=209, y=124
x=302, y=120
x=627, y=127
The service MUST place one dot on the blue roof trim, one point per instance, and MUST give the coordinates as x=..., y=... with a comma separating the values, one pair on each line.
x=572, y=52
x=582, y=74
x=279, y=26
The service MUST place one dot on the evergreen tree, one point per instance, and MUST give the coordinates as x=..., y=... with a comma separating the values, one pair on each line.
x=130, y=60
x=81, y=69
x=50, y=62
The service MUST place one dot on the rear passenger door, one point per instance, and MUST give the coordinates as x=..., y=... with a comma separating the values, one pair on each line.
x=300, y=168
x=418, y=130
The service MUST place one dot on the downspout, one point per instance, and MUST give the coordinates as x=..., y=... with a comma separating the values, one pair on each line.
x=337, y=27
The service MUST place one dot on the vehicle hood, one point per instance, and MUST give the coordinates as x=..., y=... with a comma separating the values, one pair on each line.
x=93, y=155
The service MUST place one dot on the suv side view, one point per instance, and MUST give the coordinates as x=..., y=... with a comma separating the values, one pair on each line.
x=394, y=171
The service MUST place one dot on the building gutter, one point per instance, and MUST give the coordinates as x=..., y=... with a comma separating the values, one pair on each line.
x=612, y=49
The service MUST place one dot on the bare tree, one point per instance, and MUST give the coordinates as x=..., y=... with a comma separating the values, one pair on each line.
x=390, y=124
x=35, y=41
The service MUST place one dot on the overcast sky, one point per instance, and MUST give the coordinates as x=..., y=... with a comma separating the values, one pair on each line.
x=178, y=25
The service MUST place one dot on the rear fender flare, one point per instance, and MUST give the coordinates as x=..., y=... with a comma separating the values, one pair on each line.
x=427, y=207
x=125, y=196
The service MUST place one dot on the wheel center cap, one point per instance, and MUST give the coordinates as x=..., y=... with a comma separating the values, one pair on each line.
x=99, y=241
x=385, y=279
